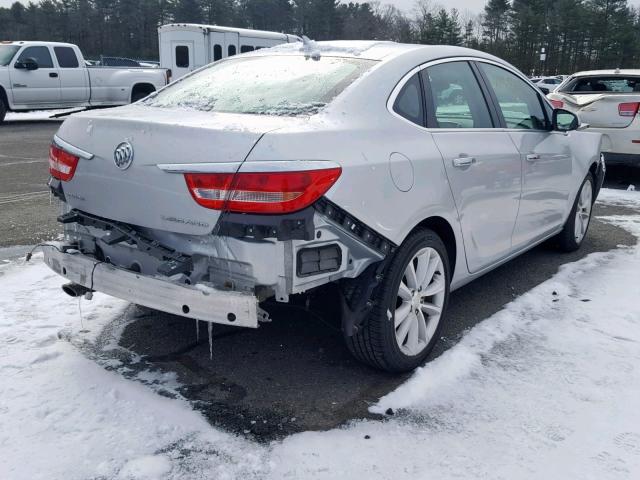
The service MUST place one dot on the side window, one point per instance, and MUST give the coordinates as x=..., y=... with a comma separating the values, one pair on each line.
x=408, y=103
x=66, y=57
x=231, y=50
x=246, y=48
x=519, y=103
x=458, y=101
x=182, y=56
x=217, y=52
x=40, y=54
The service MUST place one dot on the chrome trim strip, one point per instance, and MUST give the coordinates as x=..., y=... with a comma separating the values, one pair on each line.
x=248, y=167
x=71, y=149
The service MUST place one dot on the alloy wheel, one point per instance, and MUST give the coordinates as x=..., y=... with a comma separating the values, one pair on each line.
x=583, y=211
x=419, y=303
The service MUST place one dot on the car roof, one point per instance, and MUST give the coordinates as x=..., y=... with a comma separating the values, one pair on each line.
x=36, y=43
x=612, y=72
x=371, y=49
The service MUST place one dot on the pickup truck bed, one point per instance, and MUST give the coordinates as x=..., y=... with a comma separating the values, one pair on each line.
x=50, y=75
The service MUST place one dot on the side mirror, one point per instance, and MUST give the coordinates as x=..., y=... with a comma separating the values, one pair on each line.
x=544, y=90
x=564, y=121
x=27, y=64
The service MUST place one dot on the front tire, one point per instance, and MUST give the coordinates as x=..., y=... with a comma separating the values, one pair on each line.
x=577, y=225
x=409, y=306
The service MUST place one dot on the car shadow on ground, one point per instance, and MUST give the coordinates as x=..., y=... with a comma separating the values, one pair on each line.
x=295, y=374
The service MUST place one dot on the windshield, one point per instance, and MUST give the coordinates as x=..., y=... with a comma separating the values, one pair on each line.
x=6, y=54
x=273, y=85
x=600, y=84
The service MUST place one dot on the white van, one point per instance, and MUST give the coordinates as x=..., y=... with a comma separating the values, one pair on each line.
x=187, y=46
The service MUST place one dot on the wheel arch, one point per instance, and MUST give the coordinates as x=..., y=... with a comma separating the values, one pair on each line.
x=4, y=97
x=142, y=87
x=596, y=170
x=445, y=231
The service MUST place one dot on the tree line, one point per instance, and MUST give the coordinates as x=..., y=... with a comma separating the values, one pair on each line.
x=575, y=34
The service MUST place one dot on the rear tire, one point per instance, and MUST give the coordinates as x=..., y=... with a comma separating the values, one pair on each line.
x=577, y=225
x=409, y=306
x=3, y=109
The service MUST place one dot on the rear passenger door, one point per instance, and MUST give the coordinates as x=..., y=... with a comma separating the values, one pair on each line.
x=546, y=155
x=74, y=82
x=482, y=163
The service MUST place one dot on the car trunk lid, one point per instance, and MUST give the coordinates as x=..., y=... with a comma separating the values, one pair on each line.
x=141, y=193
x=600, y=110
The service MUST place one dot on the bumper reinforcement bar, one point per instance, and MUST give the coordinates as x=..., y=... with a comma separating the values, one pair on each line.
x=208, y=304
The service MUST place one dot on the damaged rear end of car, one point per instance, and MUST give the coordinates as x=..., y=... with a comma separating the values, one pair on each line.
x=164, y=206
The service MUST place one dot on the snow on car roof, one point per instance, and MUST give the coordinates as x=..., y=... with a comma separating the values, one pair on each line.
x=368, y=49
x=35, y=42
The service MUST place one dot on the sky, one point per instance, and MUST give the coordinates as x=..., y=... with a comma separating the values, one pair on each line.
x=474, y=6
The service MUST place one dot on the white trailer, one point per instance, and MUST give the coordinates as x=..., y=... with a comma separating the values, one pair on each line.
x=185, y=47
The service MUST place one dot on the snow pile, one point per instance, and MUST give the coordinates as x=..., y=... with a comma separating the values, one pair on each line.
x=36, y=115
x=547, y=388
x=352, y=48
x=64, y=417
x=629, y=198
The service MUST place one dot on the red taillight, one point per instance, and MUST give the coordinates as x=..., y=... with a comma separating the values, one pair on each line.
x=269, y=192
x=62, y=165
x=628, y=109
x=557, y=103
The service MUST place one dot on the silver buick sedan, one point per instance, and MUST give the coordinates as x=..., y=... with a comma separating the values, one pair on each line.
x=397, y=172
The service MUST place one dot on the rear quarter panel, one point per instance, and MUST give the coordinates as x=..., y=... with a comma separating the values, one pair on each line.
x=368, y=153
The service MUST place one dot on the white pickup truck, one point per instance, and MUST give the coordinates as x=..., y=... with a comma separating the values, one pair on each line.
x=50, y=75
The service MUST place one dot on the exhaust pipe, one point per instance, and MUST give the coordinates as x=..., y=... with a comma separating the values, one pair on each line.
x=75, y=290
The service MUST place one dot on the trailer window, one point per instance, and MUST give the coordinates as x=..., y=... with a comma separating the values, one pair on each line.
x=231, y=51
x=266, y=85
x=66, y=57
x=217, y=52
x=182, y=56
x=246, y=48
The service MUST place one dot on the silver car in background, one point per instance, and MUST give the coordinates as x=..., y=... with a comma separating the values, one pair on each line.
x=270, y=174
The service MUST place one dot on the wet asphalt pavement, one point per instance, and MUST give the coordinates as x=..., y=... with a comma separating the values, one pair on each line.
x=290, y=375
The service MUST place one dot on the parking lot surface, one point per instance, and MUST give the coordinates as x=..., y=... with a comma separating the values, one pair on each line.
x=293, y=374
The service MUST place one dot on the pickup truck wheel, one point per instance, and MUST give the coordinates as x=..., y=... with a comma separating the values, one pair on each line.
x=577, y=225
x=409, y=306
x=3, y=109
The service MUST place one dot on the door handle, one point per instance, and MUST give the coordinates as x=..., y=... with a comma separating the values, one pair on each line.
x=463, y=161
x=532, y=157
x=53, y=75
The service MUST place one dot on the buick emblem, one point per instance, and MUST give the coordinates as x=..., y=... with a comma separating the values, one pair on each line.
x=123, y=155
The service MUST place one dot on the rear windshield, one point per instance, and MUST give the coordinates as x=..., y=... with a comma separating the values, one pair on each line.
x=599, y=84
x=6, y=54
x=267, y=85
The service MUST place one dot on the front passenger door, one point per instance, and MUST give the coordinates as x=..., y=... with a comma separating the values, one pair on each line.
x=482, y=163
x=39, y=87
x=546, y=155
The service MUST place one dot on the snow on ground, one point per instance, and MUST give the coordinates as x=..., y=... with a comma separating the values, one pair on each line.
x=547, y=388
x=35, y=115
